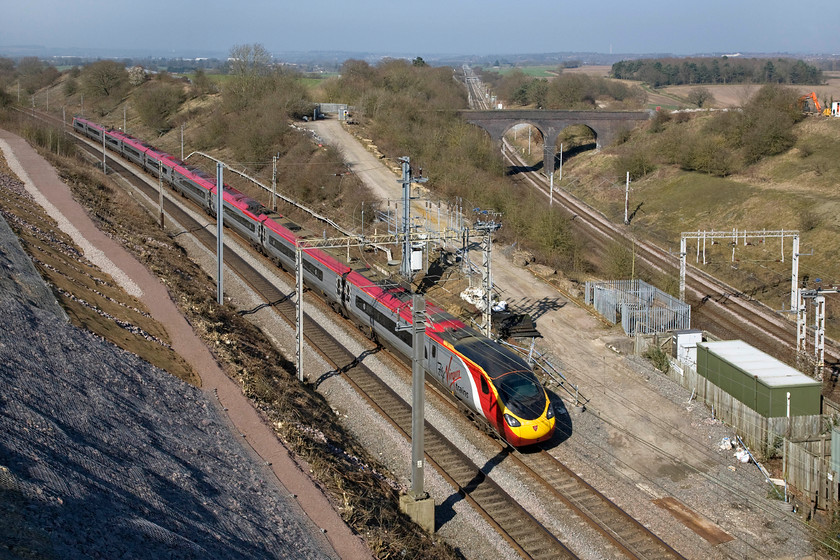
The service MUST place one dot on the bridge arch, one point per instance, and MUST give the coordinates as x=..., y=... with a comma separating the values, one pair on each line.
x=604, y=124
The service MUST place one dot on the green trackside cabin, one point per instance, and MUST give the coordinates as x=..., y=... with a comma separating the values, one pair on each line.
x=759, y=381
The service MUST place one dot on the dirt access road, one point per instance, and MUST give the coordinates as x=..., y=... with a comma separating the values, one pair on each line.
x=570, y=333
x=633, y=421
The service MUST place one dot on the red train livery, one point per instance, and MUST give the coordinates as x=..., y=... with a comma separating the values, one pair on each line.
x=492, y=382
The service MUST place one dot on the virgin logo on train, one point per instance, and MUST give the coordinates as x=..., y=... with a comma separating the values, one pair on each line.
x=452, y=376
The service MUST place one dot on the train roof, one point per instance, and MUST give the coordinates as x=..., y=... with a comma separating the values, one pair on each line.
x=91, y=123
x=245, y=203
x=135, y=143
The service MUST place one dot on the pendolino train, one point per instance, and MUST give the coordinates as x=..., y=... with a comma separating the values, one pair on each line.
x=494, y=384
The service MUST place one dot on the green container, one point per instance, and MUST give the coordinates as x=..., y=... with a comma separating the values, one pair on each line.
x=758, y=380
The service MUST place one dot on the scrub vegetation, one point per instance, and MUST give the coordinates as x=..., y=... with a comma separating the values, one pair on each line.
x=761, y=167
x=365, y=493
x=565, y=91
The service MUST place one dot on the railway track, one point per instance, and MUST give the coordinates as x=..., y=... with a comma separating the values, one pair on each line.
x=525, y=534
x=716, y=306
x=514, y=524
x=627, y=535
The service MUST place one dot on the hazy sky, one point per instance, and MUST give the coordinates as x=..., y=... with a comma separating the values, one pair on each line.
x=427, y=27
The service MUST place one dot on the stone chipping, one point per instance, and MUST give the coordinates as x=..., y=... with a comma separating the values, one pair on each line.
x=104, y=456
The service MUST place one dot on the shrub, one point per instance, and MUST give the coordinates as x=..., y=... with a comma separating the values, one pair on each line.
x=710, y=154
x=637, y=162
x=657, y=123
x=681, y=117
x=71, y=86
x=156, y=102
x=658, y=358
x=104, y=78
x=618, y=261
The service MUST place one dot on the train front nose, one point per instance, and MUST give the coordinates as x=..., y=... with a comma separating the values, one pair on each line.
x=530, y=432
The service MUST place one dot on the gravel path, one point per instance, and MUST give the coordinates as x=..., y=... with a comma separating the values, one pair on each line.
x=41, y=178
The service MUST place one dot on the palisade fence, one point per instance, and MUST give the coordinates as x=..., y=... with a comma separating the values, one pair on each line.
x=804, y=443
x=641, y=308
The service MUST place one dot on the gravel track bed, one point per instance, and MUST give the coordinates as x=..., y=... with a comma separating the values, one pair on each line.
x=456, y=521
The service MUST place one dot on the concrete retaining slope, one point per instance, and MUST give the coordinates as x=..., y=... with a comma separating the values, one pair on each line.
x=104, y=456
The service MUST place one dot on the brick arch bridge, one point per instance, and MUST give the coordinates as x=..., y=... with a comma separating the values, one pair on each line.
x=605, y=125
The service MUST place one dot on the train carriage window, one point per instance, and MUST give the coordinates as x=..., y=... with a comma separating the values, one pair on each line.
x=484, y=388
x=277, y=244
x=363, y=305
x=241, y=219
x=313, y=270
x=434, y=351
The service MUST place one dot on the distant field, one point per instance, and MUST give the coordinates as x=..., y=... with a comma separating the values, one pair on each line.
x=534, y=71
x=602, y=71
x=734, y=95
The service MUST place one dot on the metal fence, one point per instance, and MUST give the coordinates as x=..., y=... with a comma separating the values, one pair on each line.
x=641, y=308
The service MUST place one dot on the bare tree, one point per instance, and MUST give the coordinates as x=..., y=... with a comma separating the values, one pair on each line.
x=156, y=102
x=250, y=65
x=104, y=77
x=700, y=96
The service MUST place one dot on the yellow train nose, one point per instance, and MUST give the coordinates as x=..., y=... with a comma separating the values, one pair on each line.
x=530, y=432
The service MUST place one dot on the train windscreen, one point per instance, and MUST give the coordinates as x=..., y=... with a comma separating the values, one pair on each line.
x=518, y=387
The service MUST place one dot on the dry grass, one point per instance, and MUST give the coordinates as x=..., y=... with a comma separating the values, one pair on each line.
x=794, y=190
x=90, y=297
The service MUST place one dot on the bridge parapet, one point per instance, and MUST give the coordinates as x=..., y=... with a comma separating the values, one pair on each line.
x=605, y=124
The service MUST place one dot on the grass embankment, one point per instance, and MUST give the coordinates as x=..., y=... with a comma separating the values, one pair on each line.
x=90, y=297
x=363, y=491
x=792, y=190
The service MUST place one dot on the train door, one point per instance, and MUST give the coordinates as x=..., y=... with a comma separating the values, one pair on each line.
x=434, y=365
x=489, y=402
x=342, y=294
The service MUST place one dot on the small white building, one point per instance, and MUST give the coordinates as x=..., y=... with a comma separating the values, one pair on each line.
x=686, y=345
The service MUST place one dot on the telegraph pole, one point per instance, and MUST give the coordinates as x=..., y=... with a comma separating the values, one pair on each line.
x=417, y=504
x=182, y=141
x=407, y=179
x=160, y=190
x=274, y=185
x=551, y=191
x=561, y=162
x=220, y=244
x=299, y=315
x=418, y=315
x=627, y=200
x=488, y=227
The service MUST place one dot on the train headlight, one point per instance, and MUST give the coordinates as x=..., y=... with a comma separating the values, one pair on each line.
x=511, y=421
x=550, y=412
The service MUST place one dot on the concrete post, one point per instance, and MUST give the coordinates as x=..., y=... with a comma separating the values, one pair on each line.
x=220, y=243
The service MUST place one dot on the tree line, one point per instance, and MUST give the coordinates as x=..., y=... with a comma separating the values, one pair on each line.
x=566, y=91
x=725, y=70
